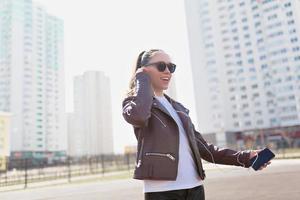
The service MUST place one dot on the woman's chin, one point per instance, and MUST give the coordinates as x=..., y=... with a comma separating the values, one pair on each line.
x=165, y=88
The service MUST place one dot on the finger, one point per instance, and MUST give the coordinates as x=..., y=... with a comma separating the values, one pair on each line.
x=264, y=166
x=139, y=70
x=145, y=69
x=253, y=154
x=142, y=69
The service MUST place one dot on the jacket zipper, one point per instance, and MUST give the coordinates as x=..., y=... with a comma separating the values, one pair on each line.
x=155, y=115
x=139, y=163
x=212, y=157
x=161, y=154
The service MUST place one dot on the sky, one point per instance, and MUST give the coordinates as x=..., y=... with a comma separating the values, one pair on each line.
x=108, y=35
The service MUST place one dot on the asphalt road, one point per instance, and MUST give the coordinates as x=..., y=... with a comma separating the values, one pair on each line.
x=281, y=180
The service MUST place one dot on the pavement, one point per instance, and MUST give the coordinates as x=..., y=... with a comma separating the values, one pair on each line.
x=278, y=181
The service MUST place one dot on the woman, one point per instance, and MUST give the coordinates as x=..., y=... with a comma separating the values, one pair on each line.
x=169, y=148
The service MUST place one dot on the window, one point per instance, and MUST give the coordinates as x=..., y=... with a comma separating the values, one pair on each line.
x=289, y=14
x=293, y=40
x=262, y=57
x=271, y=111
x=259, y=122
x=236, y=124
x=254, y=7
x=292, y=31
x=246, y=105
x=292, y=97
x=287, y=4
x=246, y=114
x=291, y=22
x=297, y=58
x=247, y=123
x=255, y=95
x=258, y=112
x=245, y=28
x=271, y=17
x=296, y=48
x=257, y=24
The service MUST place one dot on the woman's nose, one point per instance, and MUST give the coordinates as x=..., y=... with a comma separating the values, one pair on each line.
x=167, y=70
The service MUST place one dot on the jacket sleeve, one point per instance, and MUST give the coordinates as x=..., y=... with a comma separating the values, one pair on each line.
x=214, y=154
x=137, y=109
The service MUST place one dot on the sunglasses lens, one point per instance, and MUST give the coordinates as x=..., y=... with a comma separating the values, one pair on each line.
x=161, y=66
x=172, y=67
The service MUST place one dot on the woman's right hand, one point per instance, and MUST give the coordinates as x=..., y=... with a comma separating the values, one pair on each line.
x=141, y=69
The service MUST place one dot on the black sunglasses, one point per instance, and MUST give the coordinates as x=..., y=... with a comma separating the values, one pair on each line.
x=161, y=66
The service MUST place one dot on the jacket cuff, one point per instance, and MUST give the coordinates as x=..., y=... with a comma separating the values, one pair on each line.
x=142, y=76
x=243, y=158
x=143, y=84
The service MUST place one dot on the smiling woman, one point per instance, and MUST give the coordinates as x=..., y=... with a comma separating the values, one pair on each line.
x=170, y=150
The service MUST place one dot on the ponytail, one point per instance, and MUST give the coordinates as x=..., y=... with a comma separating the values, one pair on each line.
x=139, y=60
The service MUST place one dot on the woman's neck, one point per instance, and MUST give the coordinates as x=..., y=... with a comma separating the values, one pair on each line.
x=159, y=93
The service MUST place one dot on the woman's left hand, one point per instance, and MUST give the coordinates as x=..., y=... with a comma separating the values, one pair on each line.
x=254, y=153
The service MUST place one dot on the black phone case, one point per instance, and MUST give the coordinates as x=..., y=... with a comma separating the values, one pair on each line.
x=263, y=157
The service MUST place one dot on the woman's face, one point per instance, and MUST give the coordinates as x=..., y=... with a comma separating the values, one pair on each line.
x=160, y=80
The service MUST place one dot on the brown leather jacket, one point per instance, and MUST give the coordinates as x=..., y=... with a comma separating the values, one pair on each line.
x=158, y=136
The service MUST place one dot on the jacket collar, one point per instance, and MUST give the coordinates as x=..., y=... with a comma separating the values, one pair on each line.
x=156, y=103
x=177, y=106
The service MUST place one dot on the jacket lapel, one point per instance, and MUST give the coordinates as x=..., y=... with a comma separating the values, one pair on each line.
x=158, y=105
x=181, y=111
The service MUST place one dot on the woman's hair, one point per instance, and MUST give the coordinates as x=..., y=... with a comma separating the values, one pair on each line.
x=143, y=59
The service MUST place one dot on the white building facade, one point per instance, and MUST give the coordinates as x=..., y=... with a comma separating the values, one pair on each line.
x=92, y=117
x=245, y=59
x=5, y=130
x=32, y=78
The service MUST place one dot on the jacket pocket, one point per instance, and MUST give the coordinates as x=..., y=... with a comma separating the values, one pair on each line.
x=156, y=116
x=165, y=155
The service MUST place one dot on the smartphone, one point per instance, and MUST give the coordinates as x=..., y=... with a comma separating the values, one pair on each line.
x=262, y=157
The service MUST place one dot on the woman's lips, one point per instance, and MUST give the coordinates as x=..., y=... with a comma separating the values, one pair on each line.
x=165, y=80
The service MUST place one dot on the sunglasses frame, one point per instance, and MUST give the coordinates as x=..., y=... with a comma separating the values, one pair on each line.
x=171, y=66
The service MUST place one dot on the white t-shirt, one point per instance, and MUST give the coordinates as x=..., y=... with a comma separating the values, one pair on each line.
x=187, y=176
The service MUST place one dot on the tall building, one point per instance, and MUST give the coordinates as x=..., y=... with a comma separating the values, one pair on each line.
x=245, y=59
x=5, y=130
x=32, y=78
x=92, y=117
x=76, y=137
